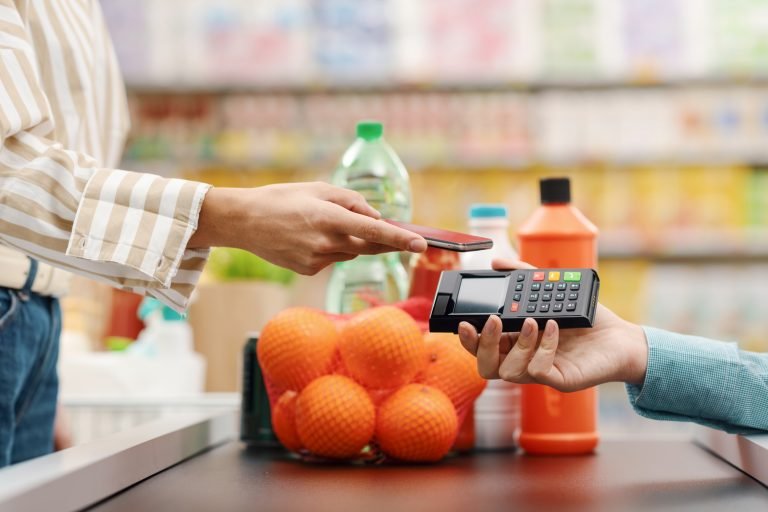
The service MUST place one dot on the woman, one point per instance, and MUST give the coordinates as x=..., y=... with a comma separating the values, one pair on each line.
x=63, y=205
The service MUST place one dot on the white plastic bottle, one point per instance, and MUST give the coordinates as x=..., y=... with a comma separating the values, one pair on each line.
x=497, y=409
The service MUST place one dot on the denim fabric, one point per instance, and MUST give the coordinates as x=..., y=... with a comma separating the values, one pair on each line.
x=30, y=325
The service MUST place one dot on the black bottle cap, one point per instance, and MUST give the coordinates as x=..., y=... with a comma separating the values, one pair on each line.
x=555, y=190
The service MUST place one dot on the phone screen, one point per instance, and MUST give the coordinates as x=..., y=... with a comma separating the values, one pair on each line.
x=444, y=239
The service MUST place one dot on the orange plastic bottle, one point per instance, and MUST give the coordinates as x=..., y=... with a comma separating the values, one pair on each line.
x=558, y=235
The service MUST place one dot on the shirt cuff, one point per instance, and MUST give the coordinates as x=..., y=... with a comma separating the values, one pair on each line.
x=143, y=222
x=690, y=378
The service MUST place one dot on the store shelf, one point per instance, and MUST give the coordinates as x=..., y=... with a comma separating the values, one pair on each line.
x=168, y=165
x=687, y=126
x=466, y=44
x=500, y=86
x=704, y=245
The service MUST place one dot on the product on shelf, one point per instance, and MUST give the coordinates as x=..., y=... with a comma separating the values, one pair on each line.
x=305, y=43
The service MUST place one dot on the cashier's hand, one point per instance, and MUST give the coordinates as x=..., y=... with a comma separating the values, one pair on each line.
x=569, y=360
x=300, y=226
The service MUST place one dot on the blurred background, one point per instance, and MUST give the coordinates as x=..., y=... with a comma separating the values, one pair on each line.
x=656, y=109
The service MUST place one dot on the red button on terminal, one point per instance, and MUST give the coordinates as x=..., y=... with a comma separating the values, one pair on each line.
x=538, y=276
x=513, y=307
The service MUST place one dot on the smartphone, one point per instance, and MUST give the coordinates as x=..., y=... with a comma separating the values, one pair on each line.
x=444, y=239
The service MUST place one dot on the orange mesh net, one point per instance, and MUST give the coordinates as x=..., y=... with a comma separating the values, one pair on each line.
x=368, y=386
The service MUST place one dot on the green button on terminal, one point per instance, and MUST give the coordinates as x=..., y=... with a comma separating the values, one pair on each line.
x=572, y=276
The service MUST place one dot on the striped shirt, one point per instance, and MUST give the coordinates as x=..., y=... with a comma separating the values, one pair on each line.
x=63, y=121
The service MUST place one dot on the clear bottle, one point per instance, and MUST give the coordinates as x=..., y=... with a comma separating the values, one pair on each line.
x=497, y=409
x=371, y=167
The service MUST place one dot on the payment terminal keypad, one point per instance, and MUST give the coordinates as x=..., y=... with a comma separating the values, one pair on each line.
x=568, y=296
x=567, y=299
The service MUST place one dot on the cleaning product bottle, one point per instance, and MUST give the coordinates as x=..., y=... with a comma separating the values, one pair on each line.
x=371, y=167
x=497, y=409
x=168, y=341
x=558, y=235
x=167, y=332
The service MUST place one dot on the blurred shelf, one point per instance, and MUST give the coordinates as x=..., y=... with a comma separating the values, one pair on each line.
x=685, y=245
x=534, y=86
x=169, y=163
x=417, y=164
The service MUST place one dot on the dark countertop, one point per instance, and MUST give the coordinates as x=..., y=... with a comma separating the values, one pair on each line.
x=627, y=475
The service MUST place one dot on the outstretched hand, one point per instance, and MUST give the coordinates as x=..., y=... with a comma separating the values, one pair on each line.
x=300, y=226
x=567, y=360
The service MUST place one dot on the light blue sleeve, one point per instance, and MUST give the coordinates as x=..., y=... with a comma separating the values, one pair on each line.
x=690, y=378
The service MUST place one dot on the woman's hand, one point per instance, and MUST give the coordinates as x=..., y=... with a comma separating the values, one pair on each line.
x=300, y=226
x=568, y=360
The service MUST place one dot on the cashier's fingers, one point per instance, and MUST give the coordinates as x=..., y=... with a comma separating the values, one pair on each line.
x=488, y=356
x=468, y=337
x=508, y=340
x=514, y=368
x=541, y=367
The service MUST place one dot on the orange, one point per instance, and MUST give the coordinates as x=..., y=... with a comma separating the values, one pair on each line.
x=378, y=396
x=284, y=421
x=296, y=347
x=335, y=417
x=382, y=347
x=451, y=369
x=418, y=423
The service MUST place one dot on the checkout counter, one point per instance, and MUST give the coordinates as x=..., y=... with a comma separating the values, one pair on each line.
x=196, y=463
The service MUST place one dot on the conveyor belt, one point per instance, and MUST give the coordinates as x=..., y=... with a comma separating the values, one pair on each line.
x=192, y=464
x=641, y=475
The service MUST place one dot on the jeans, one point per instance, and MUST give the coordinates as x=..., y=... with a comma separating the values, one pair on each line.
x=30, y=325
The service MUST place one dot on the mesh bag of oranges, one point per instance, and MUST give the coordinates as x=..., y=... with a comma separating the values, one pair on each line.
x=366, y=387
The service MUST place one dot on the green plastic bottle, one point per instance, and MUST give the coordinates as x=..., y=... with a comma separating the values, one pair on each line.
x=371, y=167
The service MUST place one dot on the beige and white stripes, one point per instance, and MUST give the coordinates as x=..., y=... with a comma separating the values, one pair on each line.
x=63, y=120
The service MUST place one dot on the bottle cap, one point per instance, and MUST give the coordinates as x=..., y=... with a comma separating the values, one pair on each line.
x=487, y=211
x=555, y=190
x=370, y=130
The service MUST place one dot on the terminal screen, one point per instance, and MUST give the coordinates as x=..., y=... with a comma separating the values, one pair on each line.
x=481, y=295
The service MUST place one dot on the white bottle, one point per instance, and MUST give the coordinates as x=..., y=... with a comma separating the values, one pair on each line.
x=497, y=409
